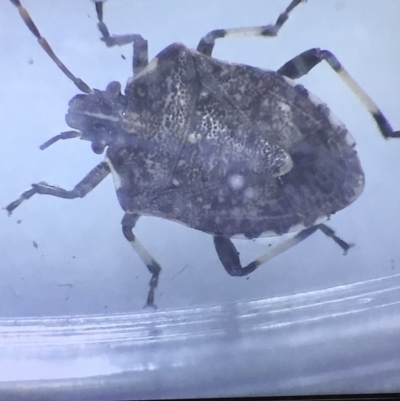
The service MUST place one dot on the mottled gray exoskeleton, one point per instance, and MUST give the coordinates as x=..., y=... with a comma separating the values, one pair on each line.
x=228, y=149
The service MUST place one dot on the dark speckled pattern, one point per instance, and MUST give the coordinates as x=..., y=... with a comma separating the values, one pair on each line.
x=212, y=145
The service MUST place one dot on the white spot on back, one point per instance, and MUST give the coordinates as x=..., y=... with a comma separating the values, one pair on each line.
x=236, y=181
x=284, y=107
x=250, y=193
x=193, y=137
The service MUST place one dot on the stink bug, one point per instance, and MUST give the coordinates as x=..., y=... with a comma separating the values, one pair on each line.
x=228, y=149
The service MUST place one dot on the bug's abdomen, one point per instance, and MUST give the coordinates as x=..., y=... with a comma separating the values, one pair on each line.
x=325, y=178
x=252, y=206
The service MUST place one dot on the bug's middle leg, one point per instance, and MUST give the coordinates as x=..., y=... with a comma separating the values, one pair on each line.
x=306, y=61
x=140, y=47
x=128, y=223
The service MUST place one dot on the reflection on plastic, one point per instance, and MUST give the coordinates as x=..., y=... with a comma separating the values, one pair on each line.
x=265, y=346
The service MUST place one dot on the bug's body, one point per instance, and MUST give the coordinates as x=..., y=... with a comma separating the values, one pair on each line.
x=228, y=149
x=208, y=124
x=208, y=167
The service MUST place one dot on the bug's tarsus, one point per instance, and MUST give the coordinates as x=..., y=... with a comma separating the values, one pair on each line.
x=329, y=232
x=306, y=61
x=24, y=196
x=128, y=224
x=153, y=285
x=62, y=135
x=140, y=45
x=82, y=86
x=90, y=181
x=207, y=43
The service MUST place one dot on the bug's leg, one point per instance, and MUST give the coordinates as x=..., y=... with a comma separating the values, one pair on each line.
x=207, y=43
x=90, y=181
x=128, y=223
x=140, y=48
x=229, y=256
x=306, y=61
x=329, y=232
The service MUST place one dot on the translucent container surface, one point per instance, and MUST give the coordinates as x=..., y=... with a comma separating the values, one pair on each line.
x=339, y=339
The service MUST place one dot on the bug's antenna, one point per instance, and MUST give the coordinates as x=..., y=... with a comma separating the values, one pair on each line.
x=62, y=135
x=82, y=86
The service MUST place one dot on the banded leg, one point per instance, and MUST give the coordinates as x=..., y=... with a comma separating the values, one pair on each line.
x=229, y=256
x=306, y=61
x=207, y=43
x=46, y=47
x=331, y=234
x=140, y=48
x=128, y=223
x=89, y=182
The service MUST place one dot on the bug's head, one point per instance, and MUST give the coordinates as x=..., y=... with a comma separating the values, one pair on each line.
x=102, y=118
x=97, y=116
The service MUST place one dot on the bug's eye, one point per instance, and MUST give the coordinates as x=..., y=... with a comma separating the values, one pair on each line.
x=98, y=147
x=113, y=89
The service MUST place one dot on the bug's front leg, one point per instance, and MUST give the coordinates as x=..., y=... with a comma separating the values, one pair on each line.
x=140, y=46
x=90, y=181
x=128, y=223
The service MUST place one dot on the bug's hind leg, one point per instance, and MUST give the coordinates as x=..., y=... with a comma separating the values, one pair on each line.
x=89, y=182
x=207, y=43
x=128, y=223
x=229, y=256
x=140, y=48
x=306, y=61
